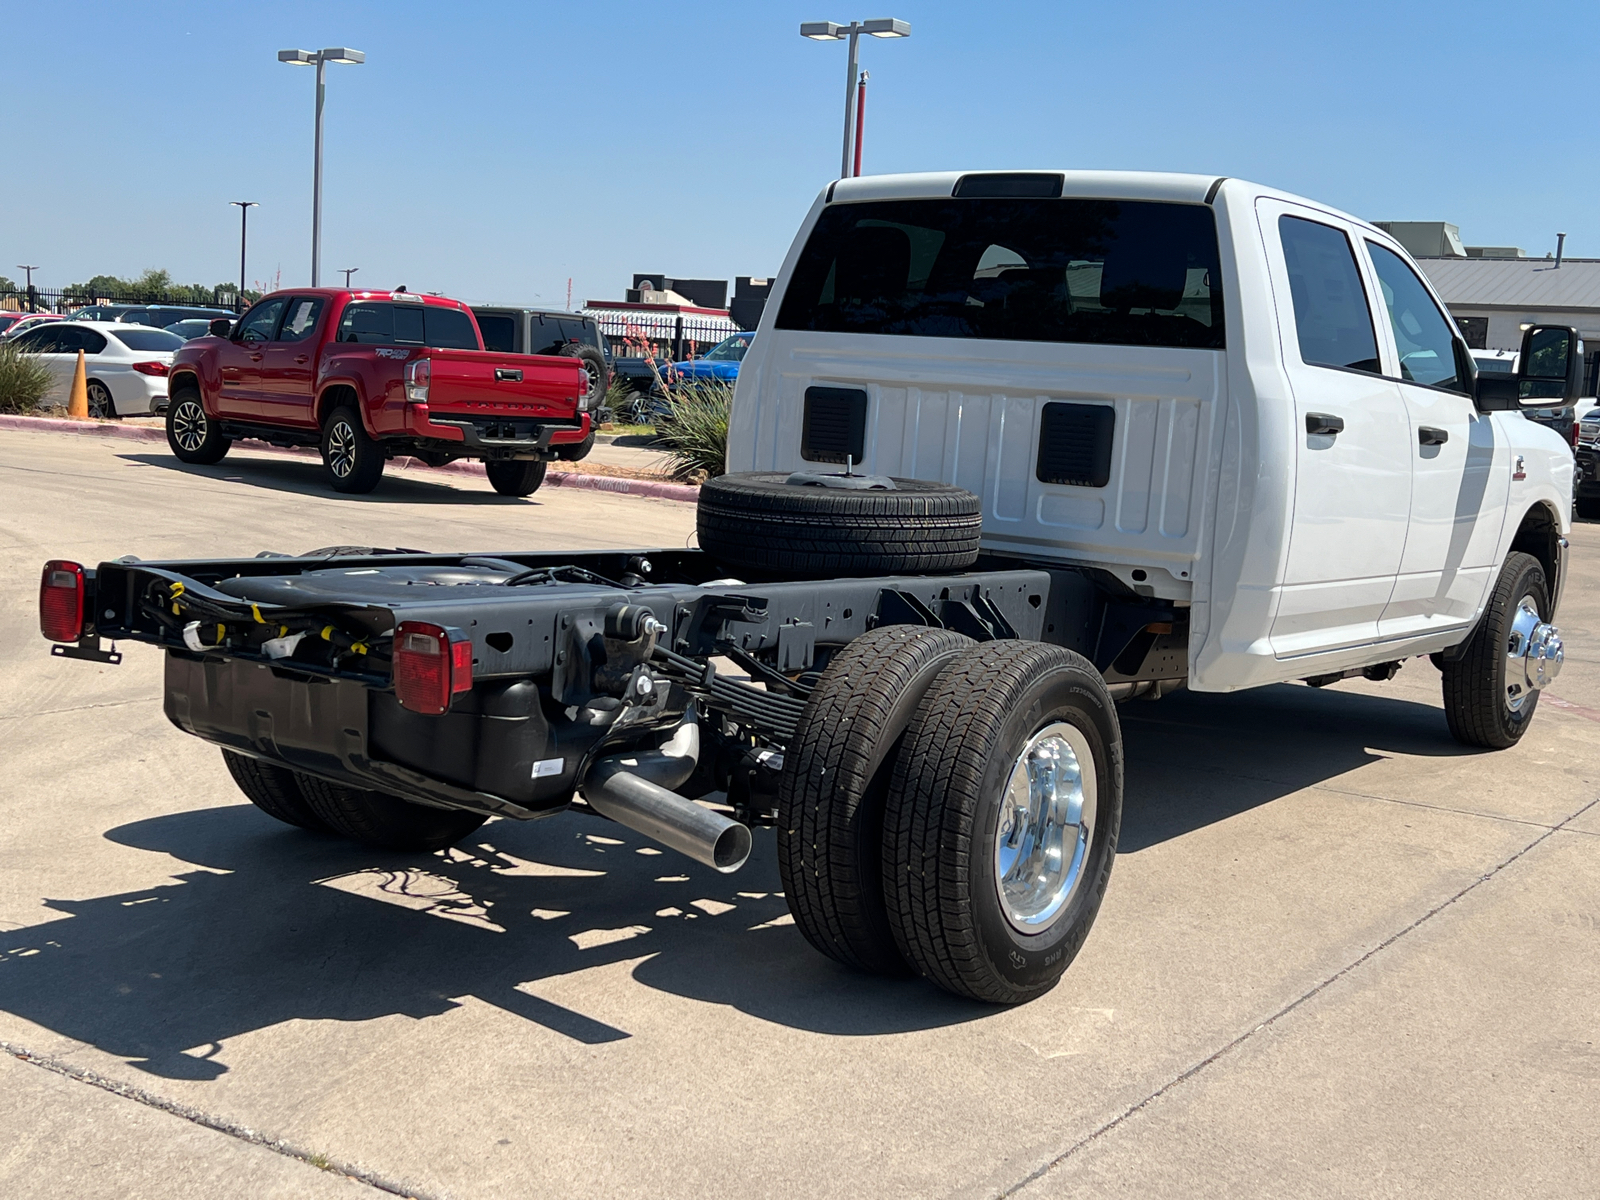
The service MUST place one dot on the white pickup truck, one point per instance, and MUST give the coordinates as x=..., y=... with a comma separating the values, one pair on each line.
x=1007, y=449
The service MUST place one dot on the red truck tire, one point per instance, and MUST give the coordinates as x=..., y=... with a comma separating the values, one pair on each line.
x=350, y=455
x=518, y=477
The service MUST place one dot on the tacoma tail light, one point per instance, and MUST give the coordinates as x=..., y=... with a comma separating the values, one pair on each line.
x=419, y=374
x=431, y=664
x=61, y=601
x=151, y=368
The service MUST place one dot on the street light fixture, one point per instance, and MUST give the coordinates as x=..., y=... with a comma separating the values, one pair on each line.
x=30, y=269
x=244, y=207
x=828, y=31
x=348, y=271
x=319, y=59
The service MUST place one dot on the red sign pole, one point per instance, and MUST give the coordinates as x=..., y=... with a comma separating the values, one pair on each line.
x=861, y=117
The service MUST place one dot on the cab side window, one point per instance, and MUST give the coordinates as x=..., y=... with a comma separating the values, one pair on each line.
x=301, y=319
x=1422, y=334
x=261, y=322
x=1331, y=314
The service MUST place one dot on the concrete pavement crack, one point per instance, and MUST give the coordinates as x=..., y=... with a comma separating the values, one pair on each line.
x=221, y=1125
x=1216, y=1055
x=53, y=712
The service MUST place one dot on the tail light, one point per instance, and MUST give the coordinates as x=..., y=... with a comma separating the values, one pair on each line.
x=431, y=664
x=61, y=601
x=151, y=368
x=419, y=374
x=1576, y=430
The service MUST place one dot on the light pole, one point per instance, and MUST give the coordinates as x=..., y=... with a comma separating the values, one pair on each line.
x=244, y=207
x=319, y=59
x=827, y=31
x=348, y=271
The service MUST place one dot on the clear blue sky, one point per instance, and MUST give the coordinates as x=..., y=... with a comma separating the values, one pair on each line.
x=492, y=150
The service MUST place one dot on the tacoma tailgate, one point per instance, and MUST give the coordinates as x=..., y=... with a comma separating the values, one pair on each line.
x=470, y=382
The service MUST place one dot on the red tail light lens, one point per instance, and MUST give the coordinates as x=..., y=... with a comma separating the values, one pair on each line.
x=431, y=664
x=419, y=374
x=151, y=368
x=61, y=601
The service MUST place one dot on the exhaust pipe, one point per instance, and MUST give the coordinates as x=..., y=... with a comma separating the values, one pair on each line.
x=634, y=789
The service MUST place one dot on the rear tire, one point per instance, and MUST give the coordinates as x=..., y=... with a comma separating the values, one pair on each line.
x=517, y=477
x=831, y=792
x=192, y=436
x=101, y=406
x=756, y=522
x=352, y=458
x=1478, y=704
x=274, y=790
x=387, y=822
x=992, y=878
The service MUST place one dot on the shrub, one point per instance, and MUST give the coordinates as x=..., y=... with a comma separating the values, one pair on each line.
x=24, y=380
x=694, y=428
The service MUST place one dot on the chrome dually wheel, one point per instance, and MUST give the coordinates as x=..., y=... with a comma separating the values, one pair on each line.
x=1046, y=825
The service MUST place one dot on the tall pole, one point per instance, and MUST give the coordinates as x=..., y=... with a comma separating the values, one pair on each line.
x=861, y=116
x=348, y=271
x=244, y=207
x=316, y=181
x=30, y=269
x=849, y=101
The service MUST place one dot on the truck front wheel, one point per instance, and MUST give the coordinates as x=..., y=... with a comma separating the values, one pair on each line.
x=1492, y=687
x=1001, y=821
x=192, y=436
x=351, y=456
x=517, y=477
x=387, y=822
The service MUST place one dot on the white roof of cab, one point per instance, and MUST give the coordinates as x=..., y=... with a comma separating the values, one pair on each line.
x=1109, y=185
x=1119, y=185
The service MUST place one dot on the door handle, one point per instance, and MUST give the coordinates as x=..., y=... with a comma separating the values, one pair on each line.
x=507, y=375
x=1324, y=423
x=255, y=358
x=1427, y=435
x=302, y=359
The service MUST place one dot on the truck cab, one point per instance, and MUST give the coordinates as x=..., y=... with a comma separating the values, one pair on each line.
x=1203, y=390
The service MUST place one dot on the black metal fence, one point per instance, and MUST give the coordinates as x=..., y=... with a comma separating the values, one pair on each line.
x=69, y=300
x=674, y=336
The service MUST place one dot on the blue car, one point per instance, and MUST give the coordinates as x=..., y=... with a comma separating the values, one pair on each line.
x=721, y=363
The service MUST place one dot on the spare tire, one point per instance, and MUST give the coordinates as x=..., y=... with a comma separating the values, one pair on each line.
x=758, y=523
x=594, y=366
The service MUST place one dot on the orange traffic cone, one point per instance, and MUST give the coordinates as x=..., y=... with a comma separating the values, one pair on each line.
x=78, y=398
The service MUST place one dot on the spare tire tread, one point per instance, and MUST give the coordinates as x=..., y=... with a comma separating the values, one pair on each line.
x=756, y=521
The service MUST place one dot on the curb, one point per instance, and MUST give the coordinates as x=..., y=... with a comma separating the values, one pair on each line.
x=648, y=488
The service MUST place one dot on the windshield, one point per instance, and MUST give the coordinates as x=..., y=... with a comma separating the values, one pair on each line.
x=144, y=338
x=1118, y=272
x=729, y=349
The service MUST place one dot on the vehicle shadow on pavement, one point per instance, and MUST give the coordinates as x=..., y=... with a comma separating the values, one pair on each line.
x=1195, y=758
x=304, y=477
x=278, y=924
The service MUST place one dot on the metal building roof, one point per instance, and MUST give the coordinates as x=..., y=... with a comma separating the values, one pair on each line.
x=1531, y=283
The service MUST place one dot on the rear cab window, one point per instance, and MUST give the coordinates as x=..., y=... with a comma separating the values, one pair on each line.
x=382, y=323
x=1110, y=272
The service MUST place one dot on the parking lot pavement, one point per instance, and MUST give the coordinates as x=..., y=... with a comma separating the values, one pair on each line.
x=1340, y=955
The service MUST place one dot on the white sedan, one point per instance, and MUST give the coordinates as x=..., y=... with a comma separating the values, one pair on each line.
x=126, y=365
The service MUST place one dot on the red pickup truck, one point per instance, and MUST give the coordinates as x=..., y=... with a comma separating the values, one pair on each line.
x=367, y=376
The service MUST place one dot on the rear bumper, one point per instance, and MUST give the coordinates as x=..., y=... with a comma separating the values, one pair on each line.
x=500, y=436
